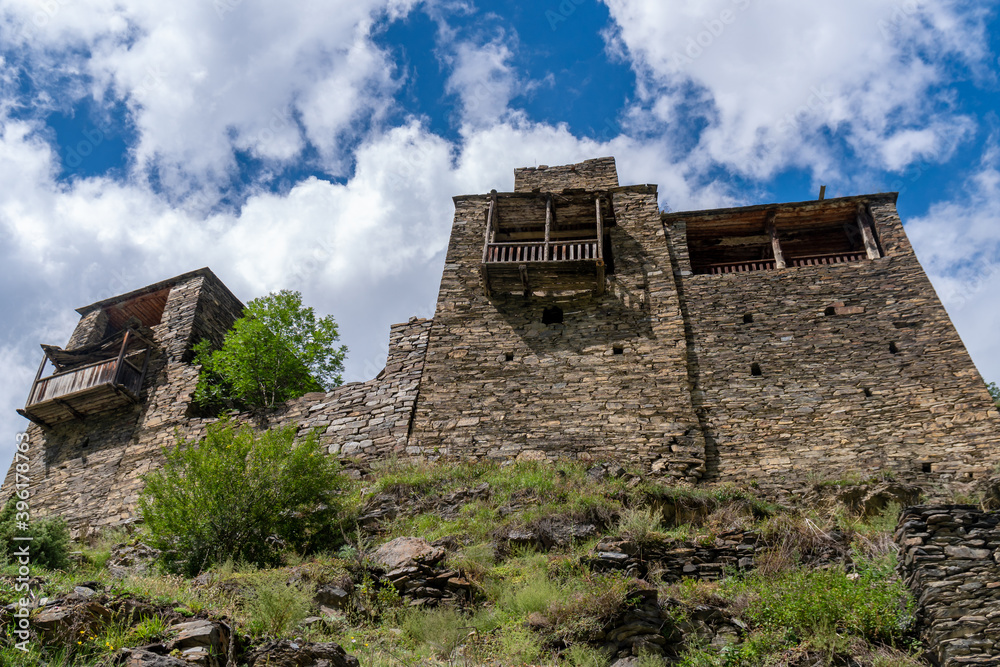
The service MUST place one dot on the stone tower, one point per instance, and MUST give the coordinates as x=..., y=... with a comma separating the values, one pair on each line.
x=116, y=393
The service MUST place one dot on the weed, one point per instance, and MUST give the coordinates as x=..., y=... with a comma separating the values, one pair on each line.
x=277, y=607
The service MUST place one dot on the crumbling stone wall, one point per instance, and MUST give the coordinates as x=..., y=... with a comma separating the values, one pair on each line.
x=948, y=558
x=610, y=381
x=861, y=369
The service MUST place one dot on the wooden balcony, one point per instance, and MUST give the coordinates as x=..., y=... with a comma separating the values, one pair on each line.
x=769, y=264
x=560, y=257
x=76, y=391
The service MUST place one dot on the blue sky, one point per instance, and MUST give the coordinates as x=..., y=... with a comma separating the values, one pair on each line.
x=317, y=146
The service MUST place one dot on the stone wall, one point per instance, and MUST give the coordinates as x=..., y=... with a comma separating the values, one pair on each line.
x=596, y=174
x=861, y=369
x=610, y=381
x=370, y=420
x=948, y=559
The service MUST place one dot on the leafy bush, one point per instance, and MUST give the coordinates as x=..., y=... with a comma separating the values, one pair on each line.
x=242, y=495
x=49, y=546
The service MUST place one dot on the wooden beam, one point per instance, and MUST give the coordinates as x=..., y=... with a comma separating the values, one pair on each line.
x=121, y=356
x=38, y=376
x=864, y=222
x=772, y=231
x=27, y=415
x=548, y=223
x=822, y=192
x=600, y=277
x=600, y=231
x=73, y=411
x=489, y=224
x=522, y=271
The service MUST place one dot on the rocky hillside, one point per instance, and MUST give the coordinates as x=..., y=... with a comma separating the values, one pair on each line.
x=524, y=564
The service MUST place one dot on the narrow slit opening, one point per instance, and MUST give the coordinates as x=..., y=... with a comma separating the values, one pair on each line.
x=893, y=348
x=755, y=370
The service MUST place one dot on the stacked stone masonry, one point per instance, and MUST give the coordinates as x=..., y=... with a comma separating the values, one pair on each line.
x=949, y=559
x=696, y=356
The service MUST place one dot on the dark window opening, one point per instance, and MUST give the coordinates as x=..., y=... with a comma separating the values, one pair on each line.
x=552, y=315
x=618, y=349
x=893, y=349
x=830, y=311
x=748, y=318
x=508, y=356
x=925, y=466
x=868, y=392
x=755, y=370
x=85, y=443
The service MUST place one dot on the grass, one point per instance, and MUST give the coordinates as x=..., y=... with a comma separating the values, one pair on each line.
x=534, y=607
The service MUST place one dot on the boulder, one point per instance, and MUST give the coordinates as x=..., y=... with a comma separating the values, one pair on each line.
x=200, y=642
x=138, y=657
x=407, y=551
x=285, y=653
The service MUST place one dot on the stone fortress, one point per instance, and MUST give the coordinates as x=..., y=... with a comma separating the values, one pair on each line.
x=776, y=345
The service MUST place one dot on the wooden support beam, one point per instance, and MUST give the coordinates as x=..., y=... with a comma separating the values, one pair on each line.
x=522, y=271
x=600, y=231
x=38, y=376
x=489, y=224
x=121, y=356
x=867, y=234
x=73, y=411
x=548, y=223
x=600, y=277
x=27, y=415
x=772, y=231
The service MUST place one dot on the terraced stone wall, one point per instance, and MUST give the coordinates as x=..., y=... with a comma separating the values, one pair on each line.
x=948, y=558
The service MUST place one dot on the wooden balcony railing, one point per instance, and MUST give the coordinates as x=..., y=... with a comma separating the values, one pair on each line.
x=565, y=251
x=768, y=264
x=75, y=392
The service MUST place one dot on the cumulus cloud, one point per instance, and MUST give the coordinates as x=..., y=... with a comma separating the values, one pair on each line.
x=203, y=81
x=958, y=243
x=779, y=83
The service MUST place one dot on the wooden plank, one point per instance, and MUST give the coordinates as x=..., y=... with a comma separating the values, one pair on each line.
x=548, y=222
x=522, y=271
x=871, y=247
x=37, y=420
x=772, y=231
x=489, y=224
x=600, y=231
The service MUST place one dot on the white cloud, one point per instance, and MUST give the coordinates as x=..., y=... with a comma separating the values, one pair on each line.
x=775, y=79
x=203, y=80
x=958, y=243
x=483, y=79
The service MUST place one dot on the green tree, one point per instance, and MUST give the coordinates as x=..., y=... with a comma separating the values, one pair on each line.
x=994, y=392
x=240, y=494
x=277, y=351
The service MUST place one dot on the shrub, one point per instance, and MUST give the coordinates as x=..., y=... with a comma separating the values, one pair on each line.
x=277, y=607
x=869, y=603
x=49, y=546
x=242, y=495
